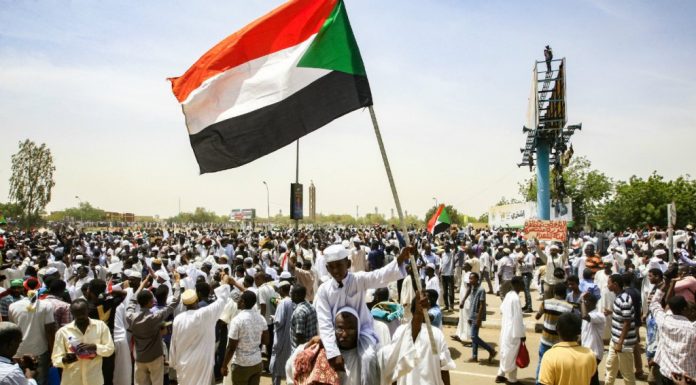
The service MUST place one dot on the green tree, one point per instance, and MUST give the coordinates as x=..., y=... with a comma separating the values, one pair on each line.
x=31, y=180
x=85, y=212
x=10, y=212
x=199, y=215
x=643, y=202
x=587, y=188
x=483, y=218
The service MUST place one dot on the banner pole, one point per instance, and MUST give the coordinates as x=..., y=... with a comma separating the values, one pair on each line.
x=402, y=225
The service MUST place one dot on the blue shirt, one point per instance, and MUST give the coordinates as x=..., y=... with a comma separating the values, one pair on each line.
x=587, y=286
x=437, y=316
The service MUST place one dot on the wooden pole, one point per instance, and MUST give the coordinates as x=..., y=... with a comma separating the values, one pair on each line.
x=402, y=225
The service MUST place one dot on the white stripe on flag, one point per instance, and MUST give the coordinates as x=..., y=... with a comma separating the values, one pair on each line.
x=248, y=87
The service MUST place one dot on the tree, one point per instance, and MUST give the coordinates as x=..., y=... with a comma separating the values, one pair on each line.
x=10, y=212
x=455, y=217
x=643, y=202
x=32, y=180
x=199, y=215
x=587, y=188
x=483, y=218
x=85, y=212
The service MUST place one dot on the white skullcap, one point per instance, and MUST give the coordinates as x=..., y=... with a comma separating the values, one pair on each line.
x=553, y=247
x=285, y=275
x=335, y=253
x=506, y=250
x=132, y=273
x=162, y=274
x=189, y=297
x=181, y=270
x=430, y=265
x=283, y=283
x=51, y=270
x=659, y=252
x=345, y=244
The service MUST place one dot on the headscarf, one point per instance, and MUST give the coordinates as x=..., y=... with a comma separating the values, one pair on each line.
x=367, y=349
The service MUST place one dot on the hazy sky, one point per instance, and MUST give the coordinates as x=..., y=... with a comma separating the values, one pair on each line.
x=450, y=80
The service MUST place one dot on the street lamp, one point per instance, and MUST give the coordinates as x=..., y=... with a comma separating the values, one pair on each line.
x=268, y=205
x=79, y=203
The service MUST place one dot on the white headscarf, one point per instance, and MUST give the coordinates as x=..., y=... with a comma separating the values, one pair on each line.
x=367, y=349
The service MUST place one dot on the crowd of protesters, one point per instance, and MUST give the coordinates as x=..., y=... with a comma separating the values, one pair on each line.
x=194, y=305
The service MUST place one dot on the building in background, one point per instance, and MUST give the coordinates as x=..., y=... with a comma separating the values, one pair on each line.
x=312, y=202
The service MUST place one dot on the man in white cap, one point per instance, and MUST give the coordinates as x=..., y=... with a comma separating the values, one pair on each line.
x=193, y=336
x=358, y=258
x=431, y=280
x=506, y=270
x=348, y=289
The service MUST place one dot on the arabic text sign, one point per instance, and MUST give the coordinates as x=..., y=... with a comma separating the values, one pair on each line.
x=546, y=230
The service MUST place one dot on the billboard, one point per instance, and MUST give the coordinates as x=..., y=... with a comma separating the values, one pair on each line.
x=516, y=214
x=243, y=215
x=296, y=201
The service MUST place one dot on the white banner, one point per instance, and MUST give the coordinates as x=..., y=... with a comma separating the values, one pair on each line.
x=516, y=214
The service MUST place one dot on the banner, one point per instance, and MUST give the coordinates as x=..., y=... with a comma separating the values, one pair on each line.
x=243, y=215
x=515, y=215
x=546, y=230
x=296, y=201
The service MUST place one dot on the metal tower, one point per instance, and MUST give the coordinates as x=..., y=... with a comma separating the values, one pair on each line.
x=547, y=135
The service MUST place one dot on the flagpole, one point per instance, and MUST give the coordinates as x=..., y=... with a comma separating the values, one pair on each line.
x=414, y=268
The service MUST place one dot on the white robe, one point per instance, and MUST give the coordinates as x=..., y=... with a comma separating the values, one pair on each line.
x=407, y=296
x=193, y=341
x=512, y=331
x=123, y=366
x=412, y=363
x=330, y=298
x=463, y=327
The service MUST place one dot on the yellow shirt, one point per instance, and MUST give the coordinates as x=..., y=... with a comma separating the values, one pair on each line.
x=567, y=363
x=82, y=371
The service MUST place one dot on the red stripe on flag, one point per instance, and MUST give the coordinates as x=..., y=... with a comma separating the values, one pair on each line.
x=285, y=27
x=433, y=220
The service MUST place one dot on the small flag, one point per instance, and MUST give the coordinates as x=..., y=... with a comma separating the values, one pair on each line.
x=439, y=222
x=279, y=78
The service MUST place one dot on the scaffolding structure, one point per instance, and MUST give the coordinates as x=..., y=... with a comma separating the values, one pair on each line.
x=548, y=137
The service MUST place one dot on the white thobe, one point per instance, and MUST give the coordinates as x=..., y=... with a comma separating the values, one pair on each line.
x=193, y=341
x=433, y=283
x=463, y=327
x=512, y=331
x=409, y=362
x=407, y=295
x=330, y=298
x=123, y=367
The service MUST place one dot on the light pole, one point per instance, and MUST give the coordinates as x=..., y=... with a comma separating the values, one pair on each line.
x=268, y=205
x=79, y=203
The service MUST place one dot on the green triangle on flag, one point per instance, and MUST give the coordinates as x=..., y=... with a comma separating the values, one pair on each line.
x=334, y=47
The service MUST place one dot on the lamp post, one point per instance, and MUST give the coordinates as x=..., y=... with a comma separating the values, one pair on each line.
x=79, y=203
x=268, y=206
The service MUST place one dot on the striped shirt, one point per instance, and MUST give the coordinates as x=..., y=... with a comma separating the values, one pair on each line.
x=553, y=308
x=623, y=310
x=676, y=343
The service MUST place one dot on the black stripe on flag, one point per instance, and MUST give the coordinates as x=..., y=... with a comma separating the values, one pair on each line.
x=245, y=138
